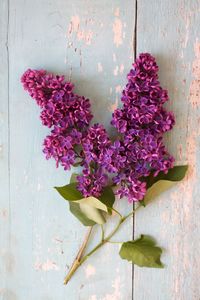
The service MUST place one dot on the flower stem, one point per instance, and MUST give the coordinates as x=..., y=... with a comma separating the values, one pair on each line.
x=76, y=262
x=117, y=212
x=80, y=259
x=102, y=233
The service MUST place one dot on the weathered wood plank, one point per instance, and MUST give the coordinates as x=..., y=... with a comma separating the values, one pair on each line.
x=170, y=30
x=5, y=251
x=90, y=41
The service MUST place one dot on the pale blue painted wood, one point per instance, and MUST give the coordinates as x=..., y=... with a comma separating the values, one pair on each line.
x=5, y=251
x=44, y=236
x=170, y=30
x=38, y=234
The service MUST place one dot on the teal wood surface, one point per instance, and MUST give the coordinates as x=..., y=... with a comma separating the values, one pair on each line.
x=170, y=30
x=93, y=44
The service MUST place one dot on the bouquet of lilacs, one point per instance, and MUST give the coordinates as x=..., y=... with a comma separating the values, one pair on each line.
x=135, y=164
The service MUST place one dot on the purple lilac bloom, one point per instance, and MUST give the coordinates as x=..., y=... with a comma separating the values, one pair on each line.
x=42, y=86
x=95, y=142
x=137, y=151
x=141, y=122
x=66, y=113
x=60, y=146
x=91, y=182
x=94, y=177
x=60, y=106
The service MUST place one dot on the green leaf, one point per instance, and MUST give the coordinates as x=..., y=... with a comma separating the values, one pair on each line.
x=89, y=210
x=94, y=202
x=69, y=192
x=108, y=198
x=76, y=211
x=142, y=252
x=162, y=182
x=73, y=178
x=177, y=173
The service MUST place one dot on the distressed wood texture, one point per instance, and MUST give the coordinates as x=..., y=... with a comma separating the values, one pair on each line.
x=92, y=43
x=5, y=251
x=170, y=30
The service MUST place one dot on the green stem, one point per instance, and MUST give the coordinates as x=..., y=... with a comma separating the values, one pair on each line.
x=117, y=212
x=102, y=233
x=81, y=259
x=76, y=262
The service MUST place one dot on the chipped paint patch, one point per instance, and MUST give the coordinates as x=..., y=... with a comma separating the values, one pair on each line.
x=118, y=89
x=9, y=261
x=90, y=271
x=85, y=36
x=117, y=12
x=117, y=30
x=46, y=266
x=113, y=106
x=8, y=294
x=116, y=295
x=184, y=211
x=93, y=297
x=121, y=69
x=116, y=70
x=4, y=213
x=81, y=34
x=74, y=24
x=99, y=67
x=195, y=85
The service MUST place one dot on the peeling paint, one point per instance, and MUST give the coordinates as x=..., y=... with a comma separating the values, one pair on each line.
x=90, y=271
x=93, y=297
x=46, y=266
x=99, y=67
x=4, y=213
x=117, y=12
x=8, y=294
x=183, y=214
x=81, y=34
x=9, y=261
x=117, y=30
x=118, y=89
x=121, y=69
x=195, y=85
x=74, y=24
x=113, y=106
x=116, y=295
x=116, y=69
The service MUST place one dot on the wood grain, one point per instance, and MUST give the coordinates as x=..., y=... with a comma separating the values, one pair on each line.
x=5, y=251
x=91, y=42
x=170, y=31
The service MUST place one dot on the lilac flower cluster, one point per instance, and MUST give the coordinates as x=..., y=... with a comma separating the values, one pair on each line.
x=94, y=177
x=69, y=114
x=141, y=122
x=60, y=106
x=136, y=152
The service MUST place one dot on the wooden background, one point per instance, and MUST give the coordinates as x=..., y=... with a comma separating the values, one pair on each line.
x=94, y=42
